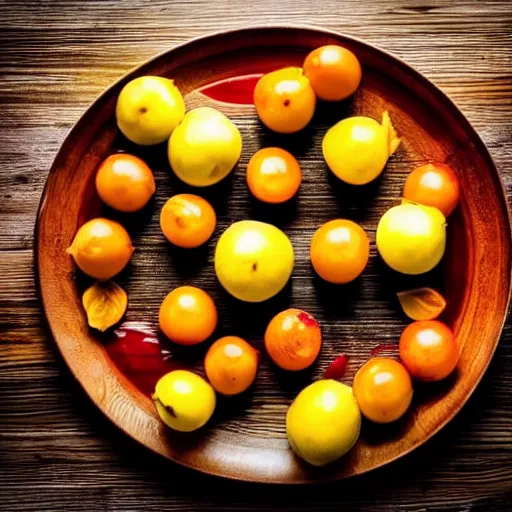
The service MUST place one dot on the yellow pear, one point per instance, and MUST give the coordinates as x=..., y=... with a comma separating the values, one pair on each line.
x=357, y=148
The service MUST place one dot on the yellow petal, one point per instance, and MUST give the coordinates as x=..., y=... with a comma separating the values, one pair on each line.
x=422, y=303
x=105, y=303
x=393, y=138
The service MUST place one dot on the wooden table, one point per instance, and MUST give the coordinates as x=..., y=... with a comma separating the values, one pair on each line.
x=57, y=452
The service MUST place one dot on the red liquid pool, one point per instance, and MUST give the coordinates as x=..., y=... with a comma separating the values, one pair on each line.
x=137, y=353
x=239, y=89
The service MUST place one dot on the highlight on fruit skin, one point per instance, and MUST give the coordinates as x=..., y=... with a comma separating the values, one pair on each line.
x=148, y=109
x=105, y=303
x=101, y=248
x=411, y=238
x=184, y=401
x=422, y=303
x=357, y=148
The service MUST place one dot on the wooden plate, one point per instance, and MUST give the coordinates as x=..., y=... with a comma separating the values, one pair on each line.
x=246, y=438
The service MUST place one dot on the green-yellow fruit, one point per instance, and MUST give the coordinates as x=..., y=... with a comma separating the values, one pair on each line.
x=148, y=109
x=253, y=260
x=205, y=147
x=411, y=238
x=357, y=148
x=184, y=401
x=323, y=422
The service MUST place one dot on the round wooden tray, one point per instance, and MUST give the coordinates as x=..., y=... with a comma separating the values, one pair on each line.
x=246, y=438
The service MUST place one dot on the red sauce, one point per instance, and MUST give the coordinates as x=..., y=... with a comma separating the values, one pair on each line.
x=337, y=368
x=137, y=353
x=383, y=348
x=239, y=89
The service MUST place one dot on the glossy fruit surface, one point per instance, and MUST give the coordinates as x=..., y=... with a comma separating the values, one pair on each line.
x=339, y=251
x=284, y=100
x=357, y=148
x=428, y=350
x=323, y=422
x=101, y=248
x=383, y=389
x=184, y=401
x=148, y=109
x=205, y=147
x=188, y=315
x=293, y=339
x=273, y=175
x=125, y=182
x=187, y=220
x=231, y=365
x=253, y=260
x=433, y=185
x=411, y=238
x=333, y=71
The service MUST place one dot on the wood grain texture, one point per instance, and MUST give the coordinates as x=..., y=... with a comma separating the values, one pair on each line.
x=56, y=451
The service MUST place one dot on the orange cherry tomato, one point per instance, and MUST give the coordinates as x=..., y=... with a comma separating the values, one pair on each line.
x=383, y=389
x=231, y=365
x=293, y=339
x=101, y=248
x=188, y=315
x=334, y=72
x=187, y=220
x=428, y=350
x=125, y=182
x=433, y=185
x=339, y=251
x=284, y=100
x=273, y=175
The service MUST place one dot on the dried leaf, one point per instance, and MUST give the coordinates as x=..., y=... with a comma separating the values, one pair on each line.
x=105, y=303
x=422, y=303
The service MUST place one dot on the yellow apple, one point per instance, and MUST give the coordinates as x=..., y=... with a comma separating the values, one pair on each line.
x=253, y=260
x=148, y=109
x=184, y=400
x=323, y=423
x=205, y=147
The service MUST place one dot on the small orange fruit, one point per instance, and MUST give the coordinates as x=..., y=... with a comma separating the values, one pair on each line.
x=339, y=251
x=187, y=220
x=273, y=175
x=333, y=71
x=284, y=100
x=125, y=182
x=293, y=339
x=433, y=185
x=383, y=389
x=231, y=365
x=428, y=350
x=101, y=248
x=188, y=315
